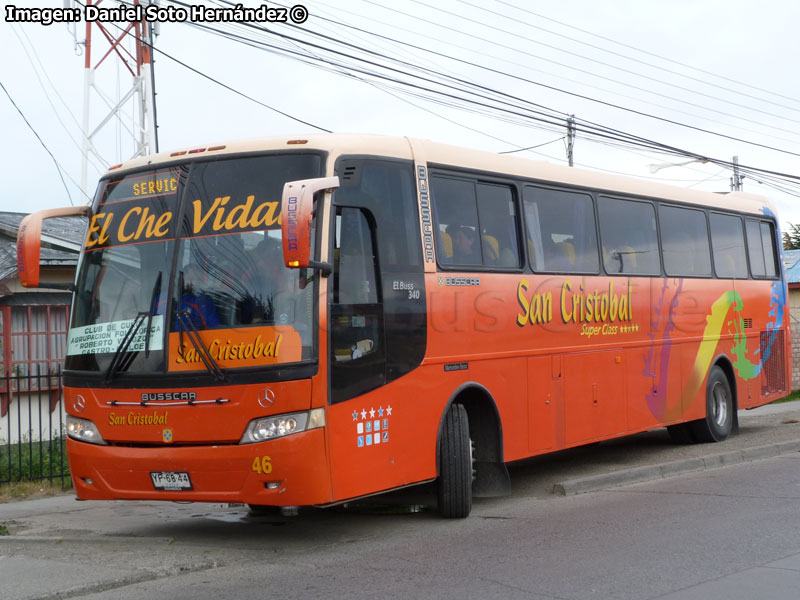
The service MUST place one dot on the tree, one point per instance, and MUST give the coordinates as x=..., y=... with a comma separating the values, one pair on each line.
x=791, y=237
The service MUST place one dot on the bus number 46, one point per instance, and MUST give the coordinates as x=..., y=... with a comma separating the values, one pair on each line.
x=262, y=465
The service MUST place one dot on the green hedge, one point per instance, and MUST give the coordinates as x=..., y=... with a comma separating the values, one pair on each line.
x=32, y=461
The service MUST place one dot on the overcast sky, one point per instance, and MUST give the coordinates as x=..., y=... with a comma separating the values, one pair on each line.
x=744, y=84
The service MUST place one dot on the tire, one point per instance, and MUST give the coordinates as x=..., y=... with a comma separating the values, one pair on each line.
x=718, y=424
x=455, y=465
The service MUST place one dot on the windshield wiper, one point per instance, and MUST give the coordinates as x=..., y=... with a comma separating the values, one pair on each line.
x=153, y=297
x=116, y=361
x=199, y=345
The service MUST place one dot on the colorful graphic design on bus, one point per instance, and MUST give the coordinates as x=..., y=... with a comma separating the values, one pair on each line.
x=657, y=360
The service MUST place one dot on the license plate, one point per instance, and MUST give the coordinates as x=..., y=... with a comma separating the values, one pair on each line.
x=171, y=480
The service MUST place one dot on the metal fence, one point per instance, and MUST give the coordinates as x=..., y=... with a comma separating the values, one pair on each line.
x=33, y=428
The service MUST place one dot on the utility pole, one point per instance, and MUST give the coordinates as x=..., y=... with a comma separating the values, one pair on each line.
x=130, y=42
x=570, y=138
x=736, y=180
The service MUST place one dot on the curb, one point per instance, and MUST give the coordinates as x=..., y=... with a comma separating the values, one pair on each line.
x=595, y=483
x=12, y=539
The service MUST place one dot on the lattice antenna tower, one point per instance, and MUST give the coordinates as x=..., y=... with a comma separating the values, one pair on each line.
x=131, y=107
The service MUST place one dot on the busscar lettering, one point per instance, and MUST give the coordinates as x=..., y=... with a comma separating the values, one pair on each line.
x=161, y=396
x=425, y=215
x=292, y=235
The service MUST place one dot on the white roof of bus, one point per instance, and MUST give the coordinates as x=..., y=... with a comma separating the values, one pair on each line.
x=444, y=154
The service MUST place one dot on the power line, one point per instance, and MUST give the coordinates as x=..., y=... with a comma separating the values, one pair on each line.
x=383, y=88
x=581, y=96
x=561, y=77
x=626, y=57
x=588, y=127
x=44, y=90
x=675, y=62
x=590, y=73
x=531, y=147
x=224, y=85
x=24, y=118
x=613, y=134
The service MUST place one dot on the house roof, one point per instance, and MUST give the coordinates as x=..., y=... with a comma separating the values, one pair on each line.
x=61, y=241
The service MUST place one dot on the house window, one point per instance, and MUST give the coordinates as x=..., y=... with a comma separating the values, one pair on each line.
x=32, y=337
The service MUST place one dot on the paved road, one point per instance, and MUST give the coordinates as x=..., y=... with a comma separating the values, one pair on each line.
x=728, y=532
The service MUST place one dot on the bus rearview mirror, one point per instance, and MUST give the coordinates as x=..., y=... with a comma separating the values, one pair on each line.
x=297, y=211
x=29, y=241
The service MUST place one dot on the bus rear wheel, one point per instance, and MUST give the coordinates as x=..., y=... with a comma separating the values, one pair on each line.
x=455, y=465
x=718, y=424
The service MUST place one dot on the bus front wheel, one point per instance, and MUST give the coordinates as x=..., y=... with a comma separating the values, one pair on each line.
x=455, y=465
x=718, y=424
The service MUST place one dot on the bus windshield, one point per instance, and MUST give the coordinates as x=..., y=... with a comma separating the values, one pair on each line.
x=185, y=263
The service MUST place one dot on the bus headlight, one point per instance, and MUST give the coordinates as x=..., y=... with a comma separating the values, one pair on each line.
x=83, y=430
x=269, y=428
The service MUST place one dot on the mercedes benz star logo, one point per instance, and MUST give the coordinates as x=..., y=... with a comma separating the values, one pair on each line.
x=266, y=398
x=79, y=403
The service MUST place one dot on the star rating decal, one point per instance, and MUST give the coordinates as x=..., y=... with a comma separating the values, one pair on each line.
x=372, y=431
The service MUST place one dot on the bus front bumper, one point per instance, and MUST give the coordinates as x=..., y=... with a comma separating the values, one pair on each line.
x=288, y=471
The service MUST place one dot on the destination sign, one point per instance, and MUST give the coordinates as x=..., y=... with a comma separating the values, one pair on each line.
x=145, y=208
x=147, y=185
x=103, y=338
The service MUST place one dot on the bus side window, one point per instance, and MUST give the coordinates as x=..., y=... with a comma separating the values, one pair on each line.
x=561, y=231
x=684, y=239
x=497, y=213
x=629, y=238
x=476, y=223
x=456, y=214
x=727, y=241
x=760, y=248
x=768, y=243
x=354, y=273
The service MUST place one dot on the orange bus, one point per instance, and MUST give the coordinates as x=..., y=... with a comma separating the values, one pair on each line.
x=294, y=322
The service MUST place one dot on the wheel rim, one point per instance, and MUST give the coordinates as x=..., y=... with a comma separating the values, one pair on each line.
x=719, y=408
